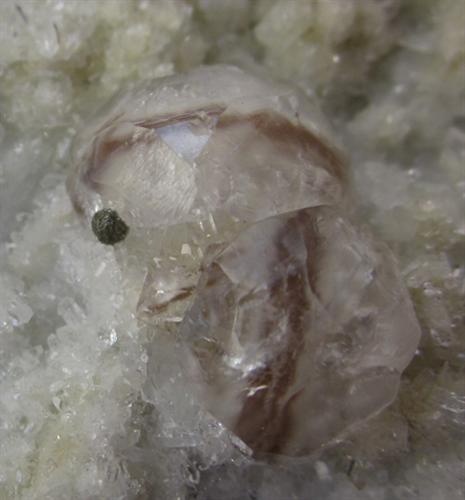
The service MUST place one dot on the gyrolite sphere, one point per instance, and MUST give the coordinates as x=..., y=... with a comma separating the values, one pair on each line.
x=108, y=226
x=296, y=325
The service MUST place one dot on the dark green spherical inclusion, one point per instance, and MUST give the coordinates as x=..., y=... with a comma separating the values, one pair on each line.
x=109, y=227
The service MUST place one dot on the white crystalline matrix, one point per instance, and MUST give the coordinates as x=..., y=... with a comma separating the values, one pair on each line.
x=295, y=324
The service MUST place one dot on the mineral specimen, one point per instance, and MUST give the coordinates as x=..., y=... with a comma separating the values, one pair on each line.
x=188, y=160
x=214, y=141
x=301, y=329
x=296, y=324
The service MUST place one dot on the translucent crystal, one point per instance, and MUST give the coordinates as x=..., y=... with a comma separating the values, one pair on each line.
x=301, y=329
x=211, y=141
x=294, y=325
x=14, y=310
x=188, y=160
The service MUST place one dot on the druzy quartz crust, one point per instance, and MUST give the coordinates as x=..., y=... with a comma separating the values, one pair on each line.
x=294, y=323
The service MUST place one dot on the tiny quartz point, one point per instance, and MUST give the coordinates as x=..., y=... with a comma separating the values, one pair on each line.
x=295, y=324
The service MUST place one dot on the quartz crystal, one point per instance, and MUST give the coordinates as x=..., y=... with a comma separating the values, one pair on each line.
x=215, y=140
x=294, y=323
x=301, y=329
x=188, y=160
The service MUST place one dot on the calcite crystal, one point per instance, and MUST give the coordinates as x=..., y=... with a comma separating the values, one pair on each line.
x=296, y=324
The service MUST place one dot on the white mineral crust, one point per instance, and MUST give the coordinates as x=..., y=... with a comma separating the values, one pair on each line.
x=296, y=323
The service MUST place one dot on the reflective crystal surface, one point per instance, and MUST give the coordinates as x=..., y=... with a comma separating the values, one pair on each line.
x=301, y=329
x=215, y=140
x=189, y=160
x=294, y=325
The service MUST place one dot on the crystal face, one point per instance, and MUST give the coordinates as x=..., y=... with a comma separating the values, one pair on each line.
x=216, y=140
x=301, y=328
x=295, y=324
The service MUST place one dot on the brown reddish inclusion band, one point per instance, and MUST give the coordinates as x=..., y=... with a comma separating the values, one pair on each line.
x=266, y=418
x=279, y=130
